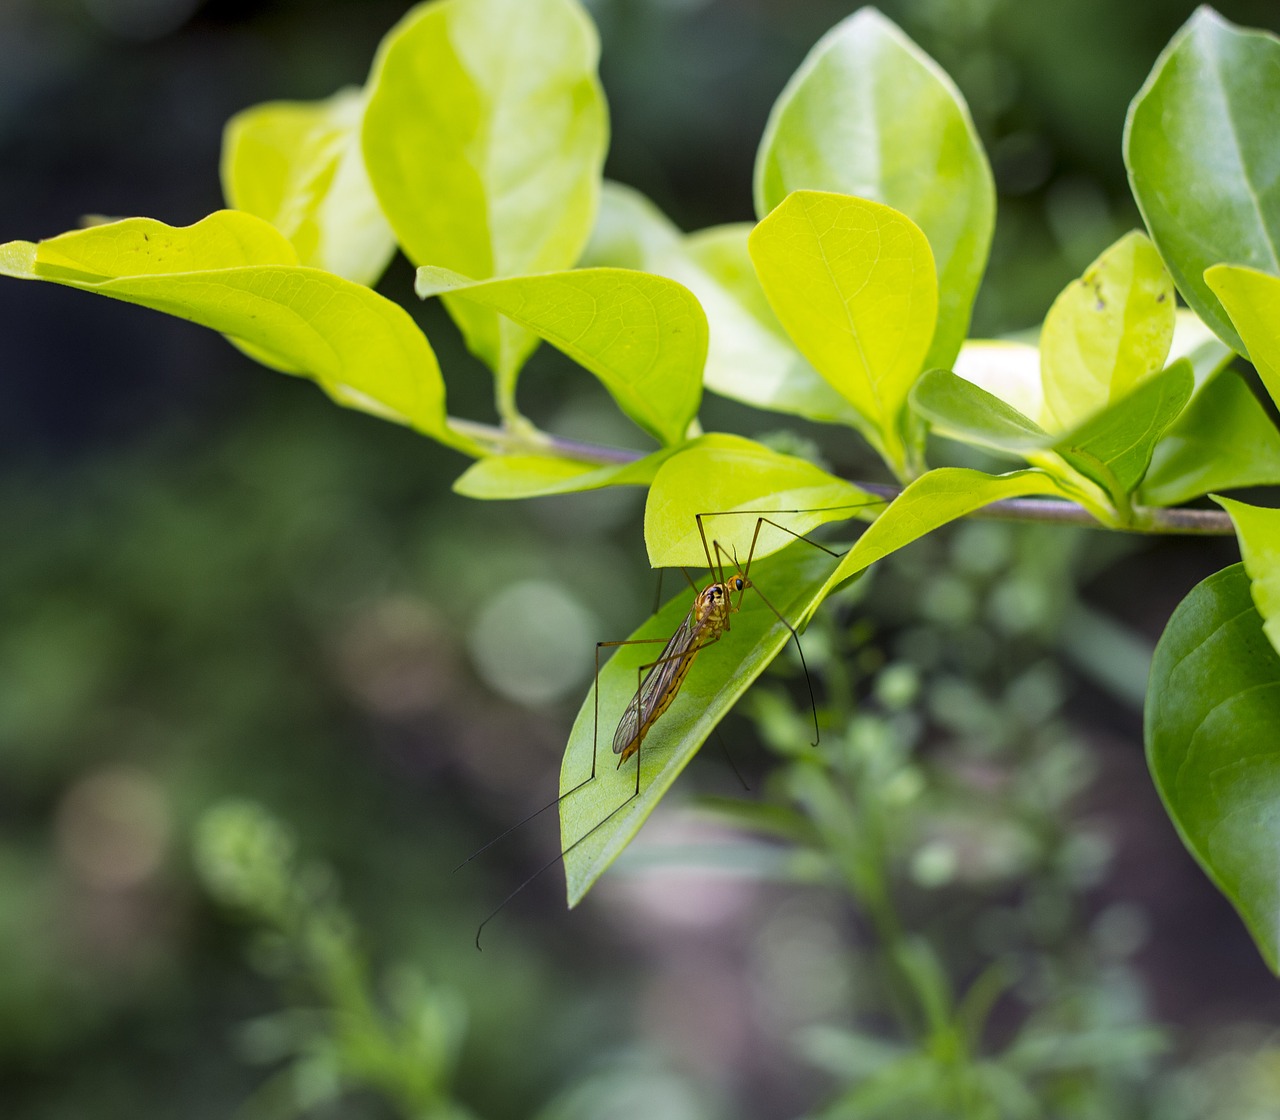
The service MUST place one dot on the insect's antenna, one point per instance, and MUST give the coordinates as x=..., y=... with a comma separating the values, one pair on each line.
x=813, y=703
x=520, y=824
x=548, y=866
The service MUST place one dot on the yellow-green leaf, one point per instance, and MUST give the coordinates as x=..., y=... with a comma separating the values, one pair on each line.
x=234, y=273
x=1252, y=299
x=727, y=475
x=1258, y=530
x=643, y=336
x=853, y=283
x=1106, y=331
x=298, y=164
x=484, y=137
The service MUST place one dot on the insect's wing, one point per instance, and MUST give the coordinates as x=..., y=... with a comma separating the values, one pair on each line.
x=654, y=687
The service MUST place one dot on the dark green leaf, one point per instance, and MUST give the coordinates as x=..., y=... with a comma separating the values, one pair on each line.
x=1223, y=440
x=1200, y=146
x=1213, y=707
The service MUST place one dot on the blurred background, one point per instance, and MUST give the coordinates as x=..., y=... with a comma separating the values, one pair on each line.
x=264, y=681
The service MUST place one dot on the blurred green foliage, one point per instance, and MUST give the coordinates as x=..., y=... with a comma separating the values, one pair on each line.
x=280, y=602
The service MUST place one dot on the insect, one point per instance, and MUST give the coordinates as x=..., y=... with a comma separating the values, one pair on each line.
x=658, y=682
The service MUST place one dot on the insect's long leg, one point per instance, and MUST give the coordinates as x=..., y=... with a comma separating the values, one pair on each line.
x=590, y=777
x=613, y=812
x=813, y=703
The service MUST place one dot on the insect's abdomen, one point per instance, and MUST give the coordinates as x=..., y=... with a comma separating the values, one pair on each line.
x=627, y=739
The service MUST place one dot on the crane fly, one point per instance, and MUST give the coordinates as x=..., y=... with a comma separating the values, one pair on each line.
x=659, y=681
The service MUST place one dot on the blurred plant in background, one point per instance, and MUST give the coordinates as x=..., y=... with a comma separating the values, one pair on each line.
x=276, y=601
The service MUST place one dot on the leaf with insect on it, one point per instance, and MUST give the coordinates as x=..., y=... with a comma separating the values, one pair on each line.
x=793, y=580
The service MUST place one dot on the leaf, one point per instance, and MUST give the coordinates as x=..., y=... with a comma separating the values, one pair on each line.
x=298, y=164
x=853, y=283
x=1258, y=530
x=590, y=837
x=1199, y=143
x=1213, y=706
x=961, y=410
x=484, y=137
x=932, y=500
x=749, y=356
x=722, y=474
x=1105, y=332
x=1223, y=440
x=870, y=114
x=233, y=272
x=507, y=477
x=1114, y=447
x=1252, y=299
x=643, y=336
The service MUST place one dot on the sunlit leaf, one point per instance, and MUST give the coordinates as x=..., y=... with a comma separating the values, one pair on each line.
x=484, y=137
x=932, y=500
x=1252, y=299
x=1213, y=706
x=870, y=114
x=1105, y=332
x=643, y=336
x=1200, y=147
x=1258, y=530
x=506, y=477
x=723, y=474
x=298, y=164
x=749, y=357
x=853, y=283
x=235, y=273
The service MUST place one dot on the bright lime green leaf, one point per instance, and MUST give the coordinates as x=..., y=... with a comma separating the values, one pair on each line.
x=738, y=479
x=1113, y=448
x=298, y=164
x=1258, y=530
x=1252, y=299
x=484, y=137
x=961, y=410
x=643, y=336
x=1213, y=706
x=752, y=360
x=231, y=272
x=1105, y=332
x=145, y=247
x=506, y=477
x=853, y=283
x=1223, y=440
x=592, y=838
x=932, y=500
x=1200, y=147
x=749, y=357
x=868, y=113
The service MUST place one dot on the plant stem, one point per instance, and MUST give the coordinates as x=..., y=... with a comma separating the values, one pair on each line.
x=1146, y=519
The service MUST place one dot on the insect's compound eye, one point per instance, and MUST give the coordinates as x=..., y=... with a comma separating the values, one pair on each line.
x=738, y=583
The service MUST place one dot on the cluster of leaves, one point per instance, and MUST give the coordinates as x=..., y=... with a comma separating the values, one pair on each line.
x=476, y=146
x=247, y=860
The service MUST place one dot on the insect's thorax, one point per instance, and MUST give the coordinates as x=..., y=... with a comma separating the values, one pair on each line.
x=713, y=606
